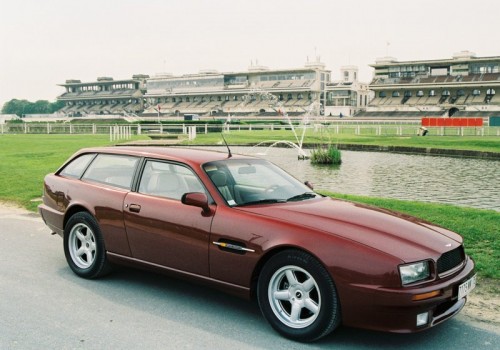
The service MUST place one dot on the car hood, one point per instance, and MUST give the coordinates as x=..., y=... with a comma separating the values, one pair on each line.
x=405, y=237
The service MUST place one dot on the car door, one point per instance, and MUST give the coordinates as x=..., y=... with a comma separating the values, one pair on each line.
x=161, y=229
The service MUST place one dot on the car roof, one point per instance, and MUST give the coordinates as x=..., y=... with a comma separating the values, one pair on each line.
x=181, y=154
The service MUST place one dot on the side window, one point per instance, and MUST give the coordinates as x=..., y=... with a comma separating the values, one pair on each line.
x=77, y=166
x=116, y=170
x=168, y=180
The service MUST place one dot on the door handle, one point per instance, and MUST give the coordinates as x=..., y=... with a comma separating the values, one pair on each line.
x=135, y=208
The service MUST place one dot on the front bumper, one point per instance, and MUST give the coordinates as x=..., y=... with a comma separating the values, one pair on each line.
x=394, y=310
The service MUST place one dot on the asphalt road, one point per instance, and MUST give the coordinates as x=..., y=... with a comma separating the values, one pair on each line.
x=43, y=305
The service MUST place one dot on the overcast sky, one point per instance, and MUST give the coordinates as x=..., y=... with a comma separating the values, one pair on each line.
x=45, y=42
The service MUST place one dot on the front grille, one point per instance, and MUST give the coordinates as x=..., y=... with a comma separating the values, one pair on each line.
x=450, y=260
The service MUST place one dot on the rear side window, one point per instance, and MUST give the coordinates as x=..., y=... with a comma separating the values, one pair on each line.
x=116, y=170
x=77, y=166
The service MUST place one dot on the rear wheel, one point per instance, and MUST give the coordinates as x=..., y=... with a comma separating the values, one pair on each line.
x=297, y=296
x=84, y=246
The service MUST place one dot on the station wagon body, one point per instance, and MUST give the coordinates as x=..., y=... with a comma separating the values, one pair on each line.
x=242, y=224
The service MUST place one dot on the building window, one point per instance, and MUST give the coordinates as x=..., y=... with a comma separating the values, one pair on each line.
x=395, y=94
x=432, y=93
x=476, y=92
x=420, y=93
x=382, y=94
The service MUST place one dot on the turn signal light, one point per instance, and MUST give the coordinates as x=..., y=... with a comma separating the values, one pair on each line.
x=425, y=296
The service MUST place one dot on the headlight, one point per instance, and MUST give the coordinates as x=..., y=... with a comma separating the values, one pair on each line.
x=415, y=272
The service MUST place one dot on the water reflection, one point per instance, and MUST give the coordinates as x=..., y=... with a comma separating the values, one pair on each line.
x=459, y=181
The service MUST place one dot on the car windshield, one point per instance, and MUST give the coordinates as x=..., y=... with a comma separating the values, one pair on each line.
x=255, y=181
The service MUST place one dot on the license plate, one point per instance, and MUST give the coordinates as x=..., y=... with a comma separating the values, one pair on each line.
x=466, y=287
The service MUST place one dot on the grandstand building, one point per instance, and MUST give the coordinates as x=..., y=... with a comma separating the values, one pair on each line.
x=104, y=96
x=347, y=96
x=257, y=92
x=462, y=86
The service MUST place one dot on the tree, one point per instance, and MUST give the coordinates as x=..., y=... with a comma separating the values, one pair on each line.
x=22, y=107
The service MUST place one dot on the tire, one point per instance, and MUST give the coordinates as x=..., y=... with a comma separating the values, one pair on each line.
x=84, y=246
x=298, y=297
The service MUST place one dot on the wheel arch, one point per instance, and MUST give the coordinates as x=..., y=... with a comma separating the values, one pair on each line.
x=267, y=256
x=72, y=211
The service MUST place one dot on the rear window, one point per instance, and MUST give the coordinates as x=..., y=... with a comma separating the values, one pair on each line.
x=77, y=166
x=116, y=170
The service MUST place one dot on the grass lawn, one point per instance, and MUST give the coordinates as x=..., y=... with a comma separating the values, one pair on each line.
x=476, y=143
x=26, y=159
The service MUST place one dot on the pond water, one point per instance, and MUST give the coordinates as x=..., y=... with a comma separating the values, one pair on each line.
x=460, y=181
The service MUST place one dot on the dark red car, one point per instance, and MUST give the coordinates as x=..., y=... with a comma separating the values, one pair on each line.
x=244, y=225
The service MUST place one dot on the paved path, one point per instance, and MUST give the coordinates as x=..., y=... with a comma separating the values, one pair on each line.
x=43, y=305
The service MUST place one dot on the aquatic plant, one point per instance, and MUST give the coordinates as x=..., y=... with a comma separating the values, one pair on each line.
x=329, y=155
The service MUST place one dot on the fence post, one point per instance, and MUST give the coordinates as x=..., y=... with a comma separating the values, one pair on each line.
x=191, y=132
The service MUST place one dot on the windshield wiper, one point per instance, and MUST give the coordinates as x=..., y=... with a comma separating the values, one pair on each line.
x=262, y=201
x=302, y=196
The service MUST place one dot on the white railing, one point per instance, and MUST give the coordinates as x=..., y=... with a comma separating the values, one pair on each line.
x=118, y=132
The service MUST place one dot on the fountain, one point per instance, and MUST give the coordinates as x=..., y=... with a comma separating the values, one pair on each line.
x=278, y=106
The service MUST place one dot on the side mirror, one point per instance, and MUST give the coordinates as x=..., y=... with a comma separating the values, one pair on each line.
x=308, y=184
x=196, y=199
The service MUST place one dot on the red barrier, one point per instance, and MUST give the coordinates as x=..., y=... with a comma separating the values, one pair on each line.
x=455, y=122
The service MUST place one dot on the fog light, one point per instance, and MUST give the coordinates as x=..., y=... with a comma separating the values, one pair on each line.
x=422, y=319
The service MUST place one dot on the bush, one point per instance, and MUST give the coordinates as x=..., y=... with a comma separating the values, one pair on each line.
x=330, y=155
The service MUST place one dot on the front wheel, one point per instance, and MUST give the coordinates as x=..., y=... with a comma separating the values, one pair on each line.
x=297, y=296
x=84, y=246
